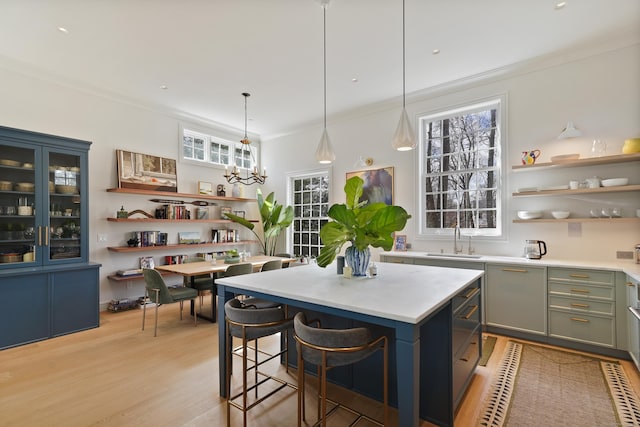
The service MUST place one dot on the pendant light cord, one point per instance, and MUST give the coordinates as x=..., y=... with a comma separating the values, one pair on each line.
x=403, y=59
x=324, y=47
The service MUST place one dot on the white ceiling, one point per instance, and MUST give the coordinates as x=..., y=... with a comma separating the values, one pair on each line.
x=207, y=52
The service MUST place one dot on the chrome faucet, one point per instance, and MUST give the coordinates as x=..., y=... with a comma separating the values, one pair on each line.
x=456, y=237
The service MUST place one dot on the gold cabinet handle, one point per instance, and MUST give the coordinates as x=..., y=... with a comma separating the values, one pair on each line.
x=515, y=270
x=580, y=276
x=630, y=284
x=474, y=308
x=578, y=319
x=46, y=235
x=471, y=293
x=465, y=358
x=582, y=291
x=575, y=304
x=39, y=235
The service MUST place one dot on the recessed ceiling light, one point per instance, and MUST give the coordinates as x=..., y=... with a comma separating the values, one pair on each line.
x=354, y=80
x=164, y=87
x=560, y=5
x=435, y=51
x=63, y=30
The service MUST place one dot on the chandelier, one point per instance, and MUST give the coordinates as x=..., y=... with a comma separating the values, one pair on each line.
x=252, y=177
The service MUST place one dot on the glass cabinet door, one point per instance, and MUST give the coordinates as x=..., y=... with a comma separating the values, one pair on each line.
x=64, y=206
x=18, y=203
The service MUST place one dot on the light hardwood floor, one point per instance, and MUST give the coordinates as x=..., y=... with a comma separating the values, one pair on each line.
x=118, y=375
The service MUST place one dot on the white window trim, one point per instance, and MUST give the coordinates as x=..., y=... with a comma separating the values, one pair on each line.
x=289, y=191
x=502, y=196
x=220, y=137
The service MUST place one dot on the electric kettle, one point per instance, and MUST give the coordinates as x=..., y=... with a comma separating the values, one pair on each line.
x=534, y=249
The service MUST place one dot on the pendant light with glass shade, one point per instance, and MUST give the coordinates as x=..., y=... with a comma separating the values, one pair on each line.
x=324, y=152
x=404, y=138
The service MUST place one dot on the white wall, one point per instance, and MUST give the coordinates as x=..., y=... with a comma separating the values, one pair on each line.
x=599, y=93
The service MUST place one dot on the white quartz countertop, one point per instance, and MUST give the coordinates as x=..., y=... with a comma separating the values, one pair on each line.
x=401, y=292
x=628, y=267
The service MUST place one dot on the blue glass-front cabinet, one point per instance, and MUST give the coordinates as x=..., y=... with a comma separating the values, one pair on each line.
x=48, y=287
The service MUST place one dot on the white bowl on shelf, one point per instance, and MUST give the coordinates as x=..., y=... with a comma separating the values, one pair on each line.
x=560, y=214
x=529, y=214
x=614, y=182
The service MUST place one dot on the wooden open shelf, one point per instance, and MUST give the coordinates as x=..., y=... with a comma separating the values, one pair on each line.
x=136, y=220
x=591, y=161
x=617, y=189
x=177, y=246
x=601, y=220
x=171, y=195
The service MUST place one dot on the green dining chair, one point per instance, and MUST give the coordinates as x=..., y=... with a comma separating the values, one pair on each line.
x=275, y=264
x=157, y=291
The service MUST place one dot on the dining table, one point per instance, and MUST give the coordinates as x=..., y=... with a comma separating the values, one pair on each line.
x=413, y=303
x=193, y=269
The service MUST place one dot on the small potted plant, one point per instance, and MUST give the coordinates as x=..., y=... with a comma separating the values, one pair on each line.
x=362, y=224
x=232, y=257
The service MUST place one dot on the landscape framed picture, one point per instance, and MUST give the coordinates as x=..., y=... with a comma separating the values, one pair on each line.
x=378, y=184
x=205, y=188
x=146, y=172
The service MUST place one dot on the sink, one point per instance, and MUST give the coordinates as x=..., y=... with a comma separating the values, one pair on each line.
x=450, y=255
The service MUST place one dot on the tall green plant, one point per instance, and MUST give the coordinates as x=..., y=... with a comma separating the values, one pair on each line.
x=360, y=223
x=275, y=218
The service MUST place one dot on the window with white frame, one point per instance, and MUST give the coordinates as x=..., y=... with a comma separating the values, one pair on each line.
x=460, y=170
x=309, y=195
x=204, y=148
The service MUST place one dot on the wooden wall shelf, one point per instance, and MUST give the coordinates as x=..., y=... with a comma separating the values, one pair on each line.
x=170, y=195
x=618, y=189
x=591, y=161
x=601, y=220
x=177, y=246
x=137, y=220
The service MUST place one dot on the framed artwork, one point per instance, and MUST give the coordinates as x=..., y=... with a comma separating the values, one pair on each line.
x=378, y=184
x=400, y=242
x=146, y=172
x=147, y=262
x=205, y=188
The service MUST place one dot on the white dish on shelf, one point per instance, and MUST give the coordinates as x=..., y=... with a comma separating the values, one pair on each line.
x=529, y=214
x=614, y=182
x=7, y=162
x=563, y=158
x=560, y=214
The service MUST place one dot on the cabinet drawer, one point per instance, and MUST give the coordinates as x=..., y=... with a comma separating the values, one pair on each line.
x=464, y=296
x=397, y=259
x=465, y=321
x=580, y=305
x=582, y=275
x=582, y=327
x=582, y=290
x=465, y=364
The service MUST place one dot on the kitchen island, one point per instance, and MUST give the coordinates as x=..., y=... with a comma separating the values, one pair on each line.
x=415, y=303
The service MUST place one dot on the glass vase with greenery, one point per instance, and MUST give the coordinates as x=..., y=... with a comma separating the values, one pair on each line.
x=362, y=224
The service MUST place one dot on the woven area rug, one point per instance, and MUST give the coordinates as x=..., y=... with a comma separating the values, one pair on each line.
x=538, y=386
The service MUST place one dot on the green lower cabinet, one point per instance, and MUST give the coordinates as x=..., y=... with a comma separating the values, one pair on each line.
x=633, y=319
x=582, y=306
x=516, y=297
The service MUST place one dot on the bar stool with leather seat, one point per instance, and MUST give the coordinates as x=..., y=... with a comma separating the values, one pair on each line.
x=157, y=291
x=330, y=348
x=249, y=323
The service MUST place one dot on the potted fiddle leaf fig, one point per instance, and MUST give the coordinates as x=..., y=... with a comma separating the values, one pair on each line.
x=361, y=224
x=275, y=218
